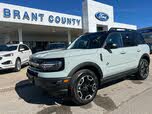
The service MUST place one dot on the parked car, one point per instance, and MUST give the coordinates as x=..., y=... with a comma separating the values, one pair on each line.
x=52, y=46
x=91, y=60
x=14, y=56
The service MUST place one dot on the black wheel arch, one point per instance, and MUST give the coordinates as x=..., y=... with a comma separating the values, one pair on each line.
x=146, y=56
x=90, y=66
x=18, y=58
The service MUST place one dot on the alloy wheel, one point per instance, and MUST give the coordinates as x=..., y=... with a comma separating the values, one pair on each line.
x=86, y=88
x=144, y=68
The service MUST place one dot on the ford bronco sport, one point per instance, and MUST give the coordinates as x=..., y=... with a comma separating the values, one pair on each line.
x=91, y=60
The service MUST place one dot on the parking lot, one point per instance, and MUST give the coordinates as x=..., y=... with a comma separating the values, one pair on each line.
x=18, y=96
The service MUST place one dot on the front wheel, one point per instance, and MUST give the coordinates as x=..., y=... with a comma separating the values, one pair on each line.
x=84, y=87
x=143, y=70
x=17, y=65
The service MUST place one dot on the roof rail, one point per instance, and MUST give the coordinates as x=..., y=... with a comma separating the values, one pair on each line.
x=121, y=29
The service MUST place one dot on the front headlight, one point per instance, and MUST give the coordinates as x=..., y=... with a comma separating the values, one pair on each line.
x=8, y=55
x=53, y=65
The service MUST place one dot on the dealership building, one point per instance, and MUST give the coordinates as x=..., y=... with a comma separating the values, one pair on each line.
x=36, y=27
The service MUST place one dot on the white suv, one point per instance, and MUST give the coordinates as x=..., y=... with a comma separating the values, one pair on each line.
x=13, y=56
x=91, y=60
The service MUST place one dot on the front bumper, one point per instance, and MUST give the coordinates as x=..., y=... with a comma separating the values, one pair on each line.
x=8, y=66
x=6, y=63
x=55, y=86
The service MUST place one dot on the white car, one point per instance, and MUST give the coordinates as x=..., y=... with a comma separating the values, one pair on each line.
x=14, y=56
x=91, y=60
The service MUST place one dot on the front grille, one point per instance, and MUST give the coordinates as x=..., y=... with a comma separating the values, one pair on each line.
x=35, y=63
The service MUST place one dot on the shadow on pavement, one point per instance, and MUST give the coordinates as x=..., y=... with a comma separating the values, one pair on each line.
x=32, y=94
x=105, y=102
x=56, y=109
x=8, y=71
x=134, y=80
x=35, y=95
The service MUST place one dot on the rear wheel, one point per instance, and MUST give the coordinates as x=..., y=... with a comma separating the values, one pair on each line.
x=17, y=65
x=84, y=87
x=143, y=70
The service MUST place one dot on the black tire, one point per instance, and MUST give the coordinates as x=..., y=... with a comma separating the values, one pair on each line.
x=17, y=65
x=84, y=87
x=143, y=70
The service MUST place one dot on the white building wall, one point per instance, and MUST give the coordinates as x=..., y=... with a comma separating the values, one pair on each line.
x=90, y=8
x=90, y=22
x=25, y=15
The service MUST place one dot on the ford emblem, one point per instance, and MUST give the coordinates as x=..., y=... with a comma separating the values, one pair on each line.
x=102, y=16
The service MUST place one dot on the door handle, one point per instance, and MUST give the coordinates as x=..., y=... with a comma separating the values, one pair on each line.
x=138, y=50
x=123, y=52
x=101, y=58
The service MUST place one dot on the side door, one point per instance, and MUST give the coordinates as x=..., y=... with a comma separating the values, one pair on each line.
x=24, y=53
x=113, y=54
x=131, y=49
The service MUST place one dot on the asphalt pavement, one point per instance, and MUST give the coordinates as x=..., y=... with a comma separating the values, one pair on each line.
x=125, y=96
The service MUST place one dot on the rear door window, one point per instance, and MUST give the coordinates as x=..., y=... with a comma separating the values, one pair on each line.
x=139, y=38
x=128, y=39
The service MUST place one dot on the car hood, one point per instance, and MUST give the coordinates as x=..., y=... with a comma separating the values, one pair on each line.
x=5, y=52
x=63, y=53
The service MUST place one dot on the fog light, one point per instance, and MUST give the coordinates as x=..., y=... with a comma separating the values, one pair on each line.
x=66, y=81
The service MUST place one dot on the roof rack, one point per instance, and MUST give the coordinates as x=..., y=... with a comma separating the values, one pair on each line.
x=121, y=29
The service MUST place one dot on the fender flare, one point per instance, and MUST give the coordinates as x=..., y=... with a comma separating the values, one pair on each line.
x=146, y=56
x=85, y=65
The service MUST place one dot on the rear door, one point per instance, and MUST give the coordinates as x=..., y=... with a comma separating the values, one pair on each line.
x=141, y=45
x=131, y=50
x=24, y=53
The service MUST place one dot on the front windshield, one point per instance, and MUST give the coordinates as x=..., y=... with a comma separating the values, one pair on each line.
x=7, y=48
x=56, y=46
x=89, y=41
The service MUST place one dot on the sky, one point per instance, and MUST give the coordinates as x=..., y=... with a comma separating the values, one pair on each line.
x=136, y=12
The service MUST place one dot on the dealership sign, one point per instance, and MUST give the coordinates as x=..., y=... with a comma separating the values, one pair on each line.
x=20, y=14
x=102, y=16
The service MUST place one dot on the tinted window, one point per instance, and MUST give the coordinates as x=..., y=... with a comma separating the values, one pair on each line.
x=139, y=38
x=145, y=31
x=115, y=38
x=24, y=47
x=128, y=39
x=89, y=41
x=56, y=46
x=7, y=48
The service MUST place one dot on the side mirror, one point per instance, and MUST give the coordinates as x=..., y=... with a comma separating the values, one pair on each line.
x=111, y=46
x=22, y=49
